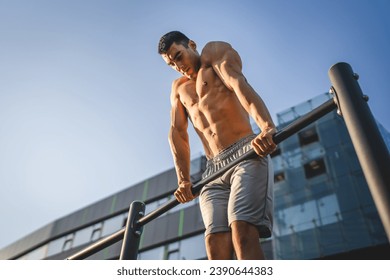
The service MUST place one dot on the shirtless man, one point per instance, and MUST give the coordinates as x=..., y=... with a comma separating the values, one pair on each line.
x=216, y=97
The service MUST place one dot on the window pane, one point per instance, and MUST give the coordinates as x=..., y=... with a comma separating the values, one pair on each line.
x=329, y=207
x=308, y=136
x=82, y=236
x=193, y=248
x=68, y=242
x=67, y=245
x=55, y=246
x=314, y=168
x=113, y=224
x=173, y=255
x=96, y=234
x=278, y=177
x=153, y=254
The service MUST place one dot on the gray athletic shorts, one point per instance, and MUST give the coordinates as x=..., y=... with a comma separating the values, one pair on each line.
x=243, y=193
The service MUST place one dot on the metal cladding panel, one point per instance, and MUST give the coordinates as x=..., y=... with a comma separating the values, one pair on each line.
x=192, y=220
x=73, y=221
x=162, y=184
x=161, y=230
x=19, y=247
x=124, y=198
x=172, y=226
x=99, y=210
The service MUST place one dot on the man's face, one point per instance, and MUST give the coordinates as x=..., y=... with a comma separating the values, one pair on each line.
x=182, y=59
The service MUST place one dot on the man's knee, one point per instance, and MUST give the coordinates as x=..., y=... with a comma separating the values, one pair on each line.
x=218, y=239
x=244, y=232
x=219, y=245
x=246, y=241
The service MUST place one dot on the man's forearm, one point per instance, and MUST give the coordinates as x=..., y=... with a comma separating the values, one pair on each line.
x=180, y=149
x=256, y=107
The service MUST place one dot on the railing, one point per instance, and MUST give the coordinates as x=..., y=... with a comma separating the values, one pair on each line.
x=366, y=138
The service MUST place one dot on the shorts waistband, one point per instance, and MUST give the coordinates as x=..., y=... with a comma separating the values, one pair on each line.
x=228, y=154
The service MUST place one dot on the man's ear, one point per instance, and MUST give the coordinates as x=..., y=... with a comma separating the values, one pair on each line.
x=192, y=45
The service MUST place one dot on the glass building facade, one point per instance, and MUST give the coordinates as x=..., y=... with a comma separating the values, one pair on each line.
x=322, y=206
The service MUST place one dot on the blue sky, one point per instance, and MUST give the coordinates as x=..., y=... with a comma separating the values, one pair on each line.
x=84, y=96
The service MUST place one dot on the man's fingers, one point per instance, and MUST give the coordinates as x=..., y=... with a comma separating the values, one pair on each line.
x=184, y=194
x=263, y=146
x=179, y=197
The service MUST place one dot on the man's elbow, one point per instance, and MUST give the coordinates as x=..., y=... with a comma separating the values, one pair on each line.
x=171, y=134
x=175, y=133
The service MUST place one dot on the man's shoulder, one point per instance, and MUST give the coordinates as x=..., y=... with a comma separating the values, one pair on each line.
x=176, y=84
x=215, y=49
x=216, y=44
x=179, y=81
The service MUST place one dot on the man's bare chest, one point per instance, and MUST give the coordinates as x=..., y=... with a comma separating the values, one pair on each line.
x=205, y=90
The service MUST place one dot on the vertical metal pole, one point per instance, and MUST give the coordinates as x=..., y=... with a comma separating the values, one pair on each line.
x=133, y=231
x=369, y=145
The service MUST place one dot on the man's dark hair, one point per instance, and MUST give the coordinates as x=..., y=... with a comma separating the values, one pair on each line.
x=168, y=39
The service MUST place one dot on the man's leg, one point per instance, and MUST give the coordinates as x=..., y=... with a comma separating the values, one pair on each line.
x=246, y=241
x=219, y=246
